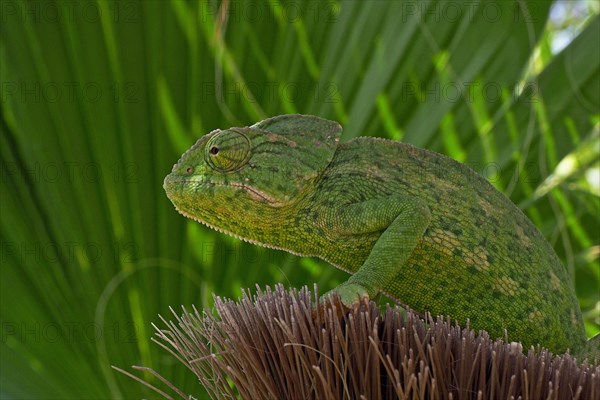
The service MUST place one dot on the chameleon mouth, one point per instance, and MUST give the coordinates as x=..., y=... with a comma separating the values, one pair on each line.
x=174, y=184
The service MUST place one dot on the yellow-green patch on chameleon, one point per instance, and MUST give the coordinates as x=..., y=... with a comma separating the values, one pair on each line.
x=416, y=225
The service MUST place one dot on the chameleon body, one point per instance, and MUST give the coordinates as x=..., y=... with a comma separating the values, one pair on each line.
x=418, y=226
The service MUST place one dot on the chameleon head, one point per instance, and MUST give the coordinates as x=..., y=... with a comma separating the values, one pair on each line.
x=249, y=176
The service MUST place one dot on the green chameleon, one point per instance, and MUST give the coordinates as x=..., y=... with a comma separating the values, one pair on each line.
x=423, y=229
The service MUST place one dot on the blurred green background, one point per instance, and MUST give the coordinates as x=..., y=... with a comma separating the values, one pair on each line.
x=100, y=98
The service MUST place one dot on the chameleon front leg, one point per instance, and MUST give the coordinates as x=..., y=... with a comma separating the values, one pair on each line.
x=402, y=220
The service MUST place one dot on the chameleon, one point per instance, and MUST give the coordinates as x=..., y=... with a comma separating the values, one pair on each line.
x=417, y=226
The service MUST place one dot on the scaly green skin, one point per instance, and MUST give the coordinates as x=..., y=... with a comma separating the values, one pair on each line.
x=418, y=226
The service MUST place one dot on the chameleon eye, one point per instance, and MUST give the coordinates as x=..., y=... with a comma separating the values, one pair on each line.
x=228, y=151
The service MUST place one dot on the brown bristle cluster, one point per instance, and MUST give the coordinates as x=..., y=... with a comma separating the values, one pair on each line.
x=271, y=347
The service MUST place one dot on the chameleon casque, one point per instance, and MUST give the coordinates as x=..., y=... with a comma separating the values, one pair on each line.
x=420, y=227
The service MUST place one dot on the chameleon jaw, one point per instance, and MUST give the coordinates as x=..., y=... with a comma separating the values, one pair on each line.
x=256, y=242
x=229, y=233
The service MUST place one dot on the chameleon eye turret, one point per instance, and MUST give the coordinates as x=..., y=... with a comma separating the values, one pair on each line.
x=227, y=151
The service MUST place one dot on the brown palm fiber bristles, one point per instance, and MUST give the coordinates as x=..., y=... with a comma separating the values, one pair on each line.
x=271, y=347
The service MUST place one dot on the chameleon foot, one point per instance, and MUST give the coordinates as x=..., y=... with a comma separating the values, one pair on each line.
x=350, y=294
x=343, y=299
